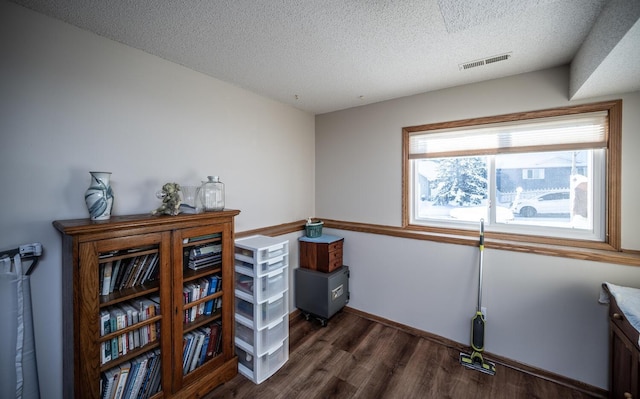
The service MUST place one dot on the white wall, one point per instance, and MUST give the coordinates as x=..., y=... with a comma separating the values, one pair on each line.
x=542, y=311
x=71, y=102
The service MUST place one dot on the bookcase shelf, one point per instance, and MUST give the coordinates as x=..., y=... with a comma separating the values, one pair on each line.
x=148, y=305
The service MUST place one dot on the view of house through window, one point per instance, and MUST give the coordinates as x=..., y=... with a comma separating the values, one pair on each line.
x=537, y=176
x=537, y=189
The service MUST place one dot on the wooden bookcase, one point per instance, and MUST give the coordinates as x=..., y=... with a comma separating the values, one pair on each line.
x=153, y=303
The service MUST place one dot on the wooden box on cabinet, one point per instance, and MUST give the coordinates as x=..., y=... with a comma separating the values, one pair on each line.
x=162, y=298
x=323, y=253
x=624, y=353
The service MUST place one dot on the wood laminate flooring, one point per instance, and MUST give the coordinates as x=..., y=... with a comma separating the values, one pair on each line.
x=354, y=357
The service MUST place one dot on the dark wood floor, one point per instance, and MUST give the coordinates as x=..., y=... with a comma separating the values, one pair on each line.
x=354, y=357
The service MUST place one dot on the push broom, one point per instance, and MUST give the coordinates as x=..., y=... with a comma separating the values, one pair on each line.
x=475, y=360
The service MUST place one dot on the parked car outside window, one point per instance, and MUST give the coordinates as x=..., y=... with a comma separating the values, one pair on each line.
x=557, y=202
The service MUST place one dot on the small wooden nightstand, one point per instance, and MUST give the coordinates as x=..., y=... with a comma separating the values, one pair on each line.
x=323, y=253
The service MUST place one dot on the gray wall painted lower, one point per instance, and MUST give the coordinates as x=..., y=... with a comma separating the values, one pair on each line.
x=542, y=311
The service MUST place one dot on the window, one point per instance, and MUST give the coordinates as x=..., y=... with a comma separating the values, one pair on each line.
x=530, y=176
x=533, y=174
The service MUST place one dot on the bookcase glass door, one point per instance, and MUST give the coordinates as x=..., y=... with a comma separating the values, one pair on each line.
x=130, y=316
x=203, y=315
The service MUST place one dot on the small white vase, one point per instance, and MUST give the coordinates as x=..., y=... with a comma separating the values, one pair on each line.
x=99, y=196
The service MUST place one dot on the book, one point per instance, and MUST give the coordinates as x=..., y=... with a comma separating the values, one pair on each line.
x=105, y=323
x=129, y=322
x=122, y=271
x=205, y=345
x=114, y=274
x=105, y=352
x=218, y=337
x=199, y=340
x=152, y=306
x=213, y=288
x=186, y=299
x=105, y=328
x=204, y=250
x=106, y=280
x=147, y=310
x=135, y=267
x=139, y=263
x=122, y=380
x=195, y=295
x=128, y=267
x=120, y=322
x=204, y=291
x=141, y=375
x=133, y=372
x=204, y=256
x=154, y=378
x=114, y=348
x=109, y=378
x=155, y=270
x=142, y=269
x=133, y=318
x=151, y=361
x=213, y=339
x=150, y=269
x=201, y=238
x=187, y=353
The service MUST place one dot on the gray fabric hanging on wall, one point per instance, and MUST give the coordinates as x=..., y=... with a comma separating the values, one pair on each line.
x=18, y=368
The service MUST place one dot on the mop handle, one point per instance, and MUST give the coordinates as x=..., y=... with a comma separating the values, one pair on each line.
x=480, y=267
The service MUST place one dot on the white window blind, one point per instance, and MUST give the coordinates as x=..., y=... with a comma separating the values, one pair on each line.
x=587, y=130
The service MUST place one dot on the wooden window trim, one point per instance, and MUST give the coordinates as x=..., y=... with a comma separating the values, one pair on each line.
x=521, y=242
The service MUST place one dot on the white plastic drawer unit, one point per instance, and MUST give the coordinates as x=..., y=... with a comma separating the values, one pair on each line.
x=259, y=249
x=264, y=287
x=259, y=368
x=262, y=268
x=262, y=314
x=262, y=341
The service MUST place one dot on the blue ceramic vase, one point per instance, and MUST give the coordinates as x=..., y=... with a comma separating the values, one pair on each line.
x=99, y=196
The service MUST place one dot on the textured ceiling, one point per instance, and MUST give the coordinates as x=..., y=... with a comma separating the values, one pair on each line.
x=327, y=55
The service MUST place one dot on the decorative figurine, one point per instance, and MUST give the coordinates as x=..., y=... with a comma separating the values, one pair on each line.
x=170, y=195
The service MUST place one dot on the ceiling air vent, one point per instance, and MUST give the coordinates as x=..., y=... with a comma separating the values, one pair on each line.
x=484, y=61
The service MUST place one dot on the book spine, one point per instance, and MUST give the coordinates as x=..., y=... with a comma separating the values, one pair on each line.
x=106, y=280
x=205, y=346
x=114, y=275
x=122, y=381
x=197, y=350
x=142, y=371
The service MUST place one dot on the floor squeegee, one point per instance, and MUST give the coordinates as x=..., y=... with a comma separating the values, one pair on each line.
x=475, y=360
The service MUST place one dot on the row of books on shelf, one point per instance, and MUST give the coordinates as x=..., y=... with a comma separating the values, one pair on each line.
x=204, y=256
x=200, y=345
x=198, y=289
x=127, y=314
x=135, y=379
x=128, y=272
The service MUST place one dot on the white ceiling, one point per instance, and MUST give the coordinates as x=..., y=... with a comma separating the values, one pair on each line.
x=326, y=55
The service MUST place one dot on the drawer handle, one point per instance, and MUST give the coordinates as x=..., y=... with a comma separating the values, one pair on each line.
x=627, y=395
x=617, y=316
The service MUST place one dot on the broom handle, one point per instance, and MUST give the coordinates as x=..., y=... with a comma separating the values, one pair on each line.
x=480, y=268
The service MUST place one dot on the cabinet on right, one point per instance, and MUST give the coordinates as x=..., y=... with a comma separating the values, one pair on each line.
x=624, y=353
